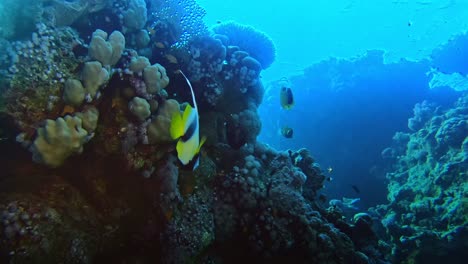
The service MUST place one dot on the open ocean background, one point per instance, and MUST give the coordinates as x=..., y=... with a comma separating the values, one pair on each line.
x=357, y=68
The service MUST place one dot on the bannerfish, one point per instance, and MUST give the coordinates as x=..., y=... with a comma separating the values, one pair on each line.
x=287, y=132
x=185, y=128
x=286, y=97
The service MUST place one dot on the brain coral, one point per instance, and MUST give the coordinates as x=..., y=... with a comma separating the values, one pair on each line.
x=258, y=44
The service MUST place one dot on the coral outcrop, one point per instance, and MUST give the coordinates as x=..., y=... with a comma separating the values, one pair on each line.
x=59, y=139
x=255, y=42
x=106, y=185
x=427, y=214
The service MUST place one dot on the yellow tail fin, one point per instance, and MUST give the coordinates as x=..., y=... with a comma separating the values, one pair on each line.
x=202, y=141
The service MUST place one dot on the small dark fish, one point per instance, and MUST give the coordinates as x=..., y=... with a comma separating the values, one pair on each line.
x=287, y=132
x=355, y=188
x=218, y=22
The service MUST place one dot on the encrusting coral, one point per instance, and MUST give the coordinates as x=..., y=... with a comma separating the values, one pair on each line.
x=427, y=214
x=111, y=98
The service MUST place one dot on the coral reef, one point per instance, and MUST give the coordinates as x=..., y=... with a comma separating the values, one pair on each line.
x=427, y=214
x=106, y=50
x=35, y=228
x=180, y=21
x=249, y=39
x=58, y=139
x=422, y=113
x=207, y=57
x=20, y=17
x=91, y=101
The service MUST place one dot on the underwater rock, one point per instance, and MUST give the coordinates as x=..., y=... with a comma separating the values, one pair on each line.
x=38, y=228
x=213, y=127
x=207, y=57
x=315, y=179
x=263, y=209
x=452, y=132
x=243, y=128
x=65, y=13
x=427, y=211
x=422, y=113
x=249, y=72
x=191, y=231
x=19, y=18
x=135, y=16
x=127, y=198
x=39, y=68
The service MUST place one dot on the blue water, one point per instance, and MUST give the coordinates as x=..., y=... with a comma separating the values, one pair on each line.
x=99, y=165
x=357, y=70
x=306, y=32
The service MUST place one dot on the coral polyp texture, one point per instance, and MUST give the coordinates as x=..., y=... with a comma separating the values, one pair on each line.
x=427, y=216
x=90, y=172
x=258, y=44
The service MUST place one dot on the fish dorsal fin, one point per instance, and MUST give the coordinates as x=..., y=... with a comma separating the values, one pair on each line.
x=187, y=112
x=191, y=89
